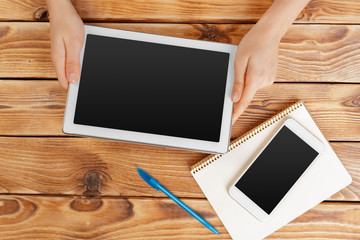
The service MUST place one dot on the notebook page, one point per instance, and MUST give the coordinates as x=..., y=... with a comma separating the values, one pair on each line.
x=324, y=178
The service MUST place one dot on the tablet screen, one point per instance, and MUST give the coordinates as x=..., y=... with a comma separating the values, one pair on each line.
x=152, y=88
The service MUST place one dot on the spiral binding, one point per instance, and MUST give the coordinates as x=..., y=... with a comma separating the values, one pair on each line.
x=242, y=139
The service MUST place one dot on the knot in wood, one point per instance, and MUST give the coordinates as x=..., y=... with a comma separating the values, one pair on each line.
x=86, y=205
x=4, y=31
x=210, y=32
x=93, y=181
x=213, y=34
x=356, y=101
x=41, y=14
x=8, y=206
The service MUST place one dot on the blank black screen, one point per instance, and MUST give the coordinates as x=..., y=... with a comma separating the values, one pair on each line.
x=276, y=169
x=152, y=88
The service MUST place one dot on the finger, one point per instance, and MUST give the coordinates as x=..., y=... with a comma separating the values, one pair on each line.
x=58, y=58
x=72, y=64
x=239, y=70
x=252, y=83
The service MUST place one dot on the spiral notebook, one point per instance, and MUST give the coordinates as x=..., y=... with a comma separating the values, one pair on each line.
x=216, y=173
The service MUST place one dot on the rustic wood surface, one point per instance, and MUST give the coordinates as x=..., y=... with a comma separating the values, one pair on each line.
x=27, y=217
x=308, y=53
x=56, y=186
x=193, y=11
x=88, y=166
x=40, y=109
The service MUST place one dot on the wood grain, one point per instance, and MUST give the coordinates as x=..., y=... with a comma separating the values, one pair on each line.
x=25, y=50
x=349, y=154
x=57, y=173
x=36, y=108
x=323, y=222
x=80, y=166
x=325, y=102
x=31, y=106
x=308, y=53
x=194, y=11
x=29, y=217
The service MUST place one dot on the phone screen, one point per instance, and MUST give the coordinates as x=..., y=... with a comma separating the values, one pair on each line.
x=276, y=169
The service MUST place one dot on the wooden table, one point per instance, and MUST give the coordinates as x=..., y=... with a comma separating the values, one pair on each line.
x=57, y=186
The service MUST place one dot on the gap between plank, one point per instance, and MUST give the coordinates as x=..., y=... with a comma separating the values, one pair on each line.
x=133, y=197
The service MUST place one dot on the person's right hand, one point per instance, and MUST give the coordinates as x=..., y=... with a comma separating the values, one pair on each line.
x=67, y=37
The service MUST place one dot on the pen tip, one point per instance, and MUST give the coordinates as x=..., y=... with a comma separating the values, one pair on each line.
x=214, y=230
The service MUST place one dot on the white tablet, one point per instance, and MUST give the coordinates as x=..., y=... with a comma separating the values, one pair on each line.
x=153, y=89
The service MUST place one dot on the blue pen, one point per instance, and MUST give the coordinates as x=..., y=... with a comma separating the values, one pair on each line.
x=155, y=184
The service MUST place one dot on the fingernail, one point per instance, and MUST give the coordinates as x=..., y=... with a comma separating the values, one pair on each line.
x=72, y=77
x=235, y=97
x=232, y=122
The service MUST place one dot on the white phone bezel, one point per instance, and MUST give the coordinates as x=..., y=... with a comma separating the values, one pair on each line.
x=147, y=138
x=245, y=201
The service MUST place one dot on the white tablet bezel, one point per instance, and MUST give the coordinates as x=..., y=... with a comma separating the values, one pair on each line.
x=154, y=139
x=244, y=200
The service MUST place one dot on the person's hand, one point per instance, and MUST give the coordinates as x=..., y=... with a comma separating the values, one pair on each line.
x=255, y=66
x=67, y=37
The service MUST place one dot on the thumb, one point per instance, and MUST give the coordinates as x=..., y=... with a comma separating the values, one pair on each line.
x=72, y=64
x=239, y=69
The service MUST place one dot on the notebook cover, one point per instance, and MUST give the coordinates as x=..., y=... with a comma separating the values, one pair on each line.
x=216, y=173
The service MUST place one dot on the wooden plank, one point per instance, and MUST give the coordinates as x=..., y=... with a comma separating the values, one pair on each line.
x=31, y=106
x=325, y=221
x=37, y=107
x=194, y=11
x=25, y=50
x=308, y=53
x=80, y=166
x=334, y=107
x=29, y=217
x=349, y=154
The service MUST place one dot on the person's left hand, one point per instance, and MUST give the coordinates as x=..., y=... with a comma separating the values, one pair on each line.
x=255, y=66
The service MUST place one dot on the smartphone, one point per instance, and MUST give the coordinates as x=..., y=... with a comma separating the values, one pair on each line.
x=276, y=169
